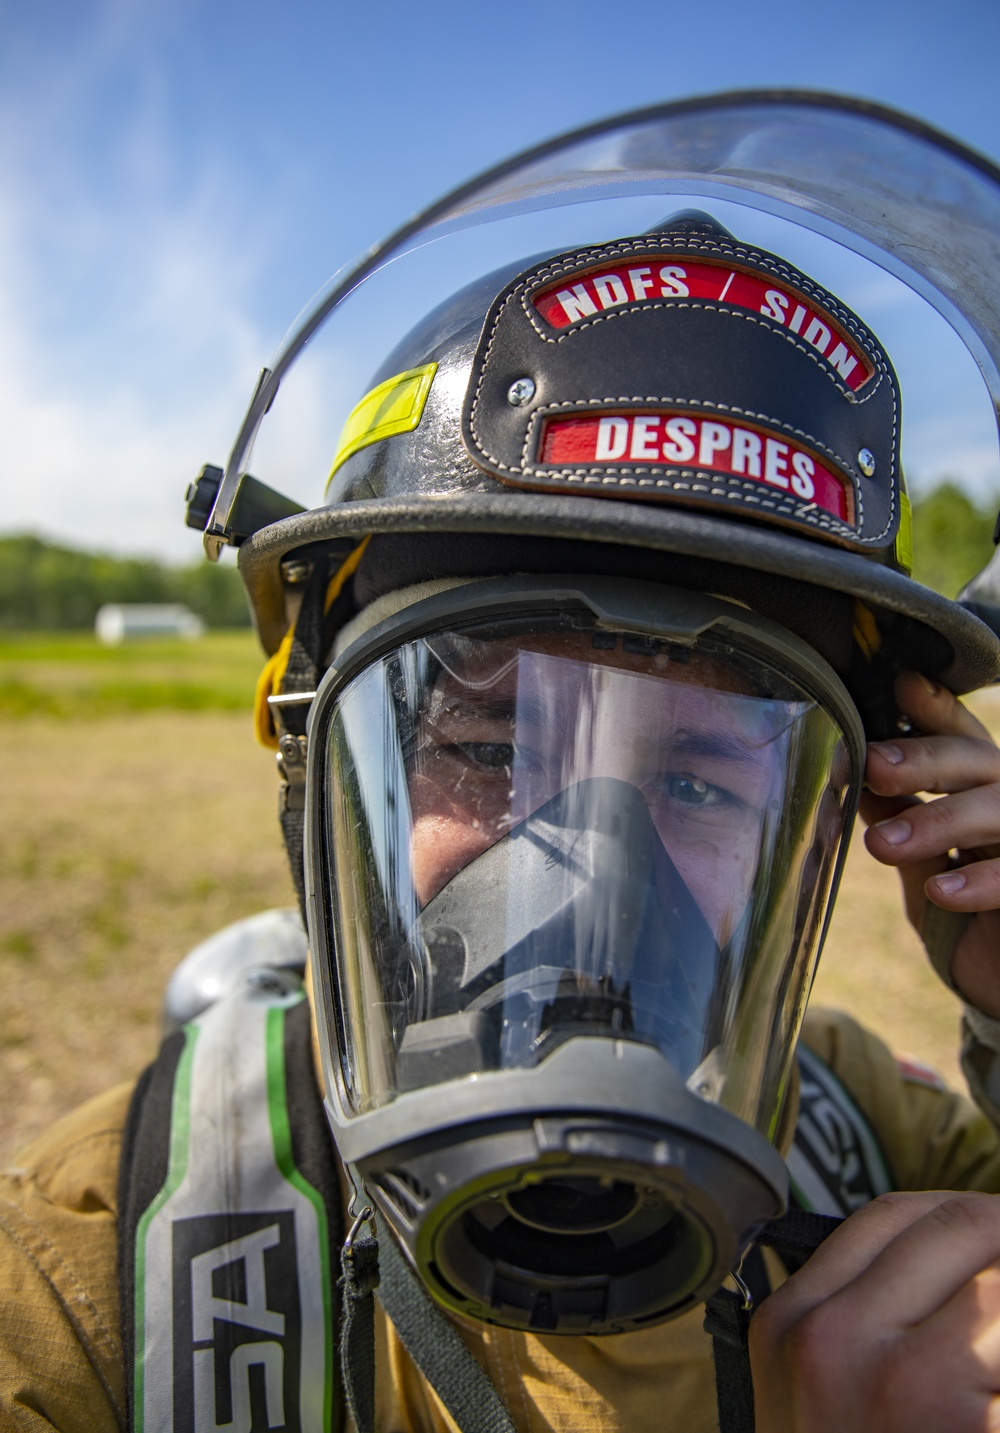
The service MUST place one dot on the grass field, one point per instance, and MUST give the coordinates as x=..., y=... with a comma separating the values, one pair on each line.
x=139, y=816
x=70, y=675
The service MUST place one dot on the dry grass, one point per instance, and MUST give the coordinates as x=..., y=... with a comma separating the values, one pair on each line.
x=128, y=838
x=874, y=967
x=124, y=842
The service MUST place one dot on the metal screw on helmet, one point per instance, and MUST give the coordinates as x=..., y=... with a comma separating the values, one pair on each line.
x=296, y=571
x=866, y=462
x=292, y=750
x=521, y=391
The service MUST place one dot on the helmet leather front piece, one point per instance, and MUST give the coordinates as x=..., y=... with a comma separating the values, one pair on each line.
x=686, y=368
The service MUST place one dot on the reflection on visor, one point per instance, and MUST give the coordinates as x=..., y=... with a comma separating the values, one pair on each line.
x=573, y=833
x=504, y=732
x=577, y=921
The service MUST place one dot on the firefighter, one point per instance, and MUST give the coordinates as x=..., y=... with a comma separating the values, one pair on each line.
x=588, y=659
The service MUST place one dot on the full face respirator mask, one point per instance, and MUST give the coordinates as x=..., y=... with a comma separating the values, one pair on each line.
x=572, y=846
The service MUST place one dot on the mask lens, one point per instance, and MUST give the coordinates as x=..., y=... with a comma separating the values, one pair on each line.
x=551, y=831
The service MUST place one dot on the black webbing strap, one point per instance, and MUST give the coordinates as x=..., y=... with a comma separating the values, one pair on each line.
x=793, y=1237
x=438, y=1351
x=360, y=1277
x=729, y=1324
x=431, y=1341
x=306, y=659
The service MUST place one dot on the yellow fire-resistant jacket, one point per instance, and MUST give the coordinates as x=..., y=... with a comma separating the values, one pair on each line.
x=61, y=1346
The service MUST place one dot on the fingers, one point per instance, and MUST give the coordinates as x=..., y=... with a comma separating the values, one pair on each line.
x=927, y=1262
x=936, y=764
x=972, y=887
x=875, y=808
x=963, y=821
x=933, y=709
x=955, y=759
x=894, y=1324
x=846, y=1254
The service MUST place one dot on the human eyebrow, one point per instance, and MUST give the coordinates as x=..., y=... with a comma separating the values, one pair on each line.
x=724, y=746
x=522, y=711
x=460, y=706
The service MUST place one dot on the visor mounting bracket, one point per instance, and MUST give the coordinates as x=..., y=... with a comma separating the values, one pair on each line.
x=291, y=760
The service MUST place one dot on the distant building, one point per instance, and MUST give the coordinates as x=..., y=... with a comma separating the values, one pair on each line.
x=120, y=621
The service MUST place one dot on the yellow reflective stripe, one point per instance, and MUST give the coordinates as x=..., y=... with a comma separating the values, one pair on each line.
x=269, y=682
x=273, y=674
x=395, y=406
x=904, y=537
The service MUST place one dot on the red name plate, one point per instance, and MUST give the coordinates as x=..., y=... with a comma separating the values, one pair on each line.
x=694, y=441
x=582, y=295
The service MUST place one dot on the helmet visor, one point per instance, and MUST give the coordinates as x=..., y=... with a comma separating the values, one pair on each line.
x=538, y=828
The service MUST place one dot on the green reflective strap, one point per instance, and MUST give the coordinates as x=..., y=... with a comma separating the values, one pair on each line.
x=277, y=1103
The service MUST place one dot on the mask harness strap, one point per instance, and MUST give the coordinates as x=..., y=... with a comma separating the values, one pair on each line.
x=359, y=1280
x=432, y=1342
x=456, y=1377
x=727, y=1314
x=327, y=602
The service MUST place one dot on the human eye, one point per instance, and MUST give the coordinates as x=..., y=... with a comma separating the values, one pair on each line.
x=692, y=795
x=489, y=756
x=692, y=790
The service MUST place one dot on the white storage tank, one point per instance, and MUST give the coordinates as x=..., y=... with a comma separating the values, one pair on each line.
x=119, y=621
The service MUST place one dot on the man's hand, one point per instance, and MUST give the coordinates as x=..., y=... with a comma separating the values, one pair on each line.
x=956, y=758
x=893, y=1326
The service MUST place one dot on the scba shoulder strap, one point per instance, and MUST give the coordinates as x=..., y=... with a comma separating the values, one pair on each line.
x=231, y=1212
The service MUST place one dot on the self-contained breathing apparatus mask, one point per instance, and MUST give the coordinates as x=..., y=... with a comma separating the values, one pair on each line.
x=573, y=845
x=571, y=841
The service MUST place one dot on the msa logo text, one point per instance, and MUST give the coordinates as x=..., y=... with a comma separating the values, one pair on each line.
x=237, y=1324
x=834, y=1146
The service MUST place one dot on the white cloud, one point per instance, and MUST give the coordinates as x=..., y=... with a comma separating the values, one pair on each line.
x=127, y=308
x=102, y=431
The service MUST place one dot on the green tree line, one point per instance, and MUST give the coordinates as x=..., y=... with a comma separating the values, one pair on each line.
x=952, y=537
x=46, y=586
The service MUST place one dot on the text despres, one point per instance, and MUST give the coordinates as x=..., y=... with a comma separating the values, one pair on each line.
x=634, y=441
x=584, y=295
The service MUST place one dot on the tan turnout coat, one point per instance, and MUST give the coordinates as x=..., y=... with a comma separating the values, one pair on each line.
x=60, y=1341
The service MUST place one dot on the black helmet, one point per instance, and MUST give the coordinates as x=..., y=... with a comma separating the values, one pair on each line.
x=674, y=405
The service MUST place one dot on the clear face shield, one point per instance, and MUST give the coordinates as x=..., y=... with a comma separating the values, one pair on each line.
x=563, y=829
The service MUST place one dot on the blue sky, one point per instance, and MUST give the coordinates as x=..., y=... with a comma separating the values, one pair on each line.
x=176, y=179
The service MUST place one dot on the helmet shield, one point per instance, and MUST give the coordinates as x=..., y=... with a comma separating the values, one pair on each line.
x=912, y=200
